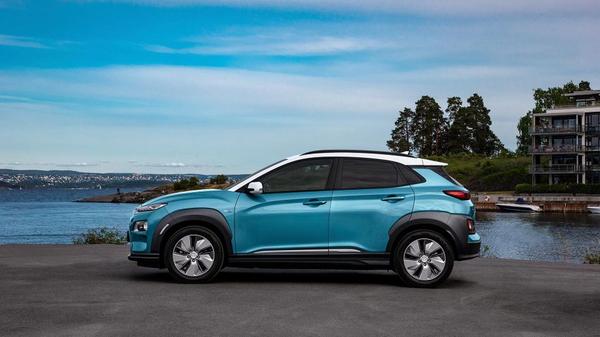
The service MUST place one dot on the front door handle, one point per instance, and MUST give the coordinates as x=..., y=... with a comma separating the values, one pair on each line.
x=314, y=202
x=393, y=198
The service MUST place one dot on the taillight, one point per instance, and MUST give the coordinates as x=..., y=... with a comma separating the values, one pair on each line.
x=462, y=195
x=470, y=226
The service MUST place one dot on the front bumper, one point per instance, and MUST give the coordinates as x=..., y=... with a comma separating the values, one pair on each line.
x=146, y=259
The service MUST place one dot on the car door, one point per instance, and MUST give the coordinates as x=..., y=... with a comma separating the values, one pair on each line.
x=369, y=196
x=291, y=215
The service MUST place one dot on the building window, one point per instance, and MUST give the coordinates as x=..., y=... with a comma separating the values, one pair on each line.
x=592, y=119
x=564, y=160
x=564, y=122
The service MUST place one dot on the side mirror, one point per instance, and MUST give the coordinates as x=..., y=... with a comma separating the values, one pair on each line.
x=255, y=187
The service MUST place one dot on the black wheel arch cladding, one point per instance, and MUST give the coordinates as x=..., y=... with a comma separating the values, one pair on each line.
x=207, y=217
x=451, y=226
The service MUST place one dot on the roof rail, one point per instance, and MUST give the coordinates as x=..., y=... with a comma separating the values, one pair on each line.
x=359, y=151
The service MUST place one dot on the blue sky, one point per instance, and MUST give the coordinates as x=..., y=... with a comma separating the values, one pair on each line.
x=229, y=86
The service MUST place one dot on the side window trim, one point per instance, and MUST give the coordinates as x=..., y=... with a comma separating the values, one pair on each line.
x=340, y=165
x=328, y=185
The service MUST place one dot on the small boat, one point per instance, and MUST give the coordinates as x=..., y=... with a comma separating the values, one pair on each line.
x=594, y=209
x=518, y=206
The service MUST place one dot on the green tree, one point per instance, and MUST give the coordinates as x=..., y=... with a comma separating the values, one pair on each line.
x=454, y=105
x=429, y=127
x=181, y=185
x=544, y=99
x=458, y=126
x=483, y=140
x=523, y=136
x=470, y=128
x=584, y=85
x=219, y=179
x=194, y=181
x=401, y=134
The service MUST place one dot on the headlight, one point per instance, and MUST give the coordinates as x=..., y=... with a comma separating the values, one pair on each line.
x=150, y=208
x=140, y=226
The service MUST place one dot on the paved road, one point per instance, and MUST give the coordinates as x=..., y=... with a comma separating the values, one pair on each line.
x=95, y=291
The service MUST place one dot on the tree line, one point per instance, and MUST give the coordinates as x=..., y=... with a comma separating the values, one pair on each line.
x=429, y=131
x=194, y=182
x=466, y=129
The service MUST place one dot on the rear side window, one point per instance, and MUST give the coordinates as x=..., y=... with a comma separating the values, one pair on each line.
x=365, y=173
x=410, y=175
x=440, y=170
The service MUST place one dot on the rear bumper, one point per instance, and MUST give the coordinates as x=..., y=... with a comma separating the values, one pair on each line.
x=146, y=260
x=471, y=252
x=471, y=249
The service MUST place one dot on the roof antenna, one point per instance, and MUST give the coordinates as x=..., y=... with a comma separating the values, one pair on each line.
x=405, y=153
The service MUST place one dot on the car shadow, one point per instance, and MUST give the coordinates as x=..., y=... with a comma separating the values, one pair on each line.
x=241, y=275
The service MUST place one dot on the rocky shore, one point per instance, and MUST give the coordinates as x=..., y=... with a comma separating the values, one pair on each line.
x=143, y=196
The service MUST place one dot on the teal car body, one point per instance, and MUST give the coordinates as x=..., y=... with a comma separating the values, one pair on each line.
x=343, y=226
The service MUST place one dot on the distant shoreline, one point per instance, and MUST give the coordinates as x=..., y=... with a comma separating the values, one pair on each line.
x=143, y=196
x=127, y=197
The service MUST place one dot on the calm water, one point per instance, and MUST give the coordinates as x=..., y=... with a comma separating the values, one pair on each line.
x=547, y=237
x=50, y=216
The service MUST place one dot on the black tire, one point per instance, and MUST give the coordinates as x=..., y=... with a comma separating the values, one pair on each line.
x=209, y=273
x=423, y=236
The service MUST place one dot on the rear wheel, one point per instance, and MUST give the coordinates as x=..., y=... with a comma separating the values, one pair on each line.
x=194, y=254
x=423, y=258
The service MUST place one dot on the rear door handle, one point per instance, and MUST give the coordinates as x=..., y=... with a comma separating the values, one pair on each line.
x=393, y=198
x=314, y=202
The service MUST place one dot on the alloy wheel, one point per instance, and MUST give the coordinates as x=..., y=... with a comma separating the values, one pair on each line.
x=424, y=259
x=193, y=255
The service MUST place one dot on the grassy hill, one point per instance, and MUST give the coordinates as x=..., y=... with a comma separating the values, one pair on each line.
x=480, y=174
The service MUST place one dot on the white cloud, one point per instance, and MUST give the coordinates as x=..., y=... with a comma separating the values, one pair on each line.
x=53, y=164
x=421, y=7
x=82, y=164
x=145, y=113
x=20, y=41
x=199, y=92
x=169, y=165
x=279, y=46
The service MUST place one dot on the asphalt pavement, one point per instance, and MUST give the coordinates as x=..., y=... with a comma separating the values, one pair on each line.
x=69, y=290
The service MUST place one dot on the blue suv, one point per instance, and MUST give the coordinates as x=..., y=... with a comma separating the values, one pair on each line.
x=341, y=209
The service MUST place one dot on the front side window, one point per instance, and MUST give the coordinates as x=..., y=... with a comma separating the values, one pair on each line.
x=365, y=173
x=305, y=175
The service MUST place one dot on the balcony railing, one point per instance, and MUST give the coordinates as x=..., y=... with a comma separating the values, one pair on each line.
x=592, y=148
x=555, y=168
x=556, y=148
x=552, y=129
x=577, y=105
x=592, y=129
x=592, y=168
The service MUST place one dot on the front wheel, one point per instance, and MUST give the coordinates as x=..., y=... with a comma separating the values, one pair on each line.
x=423, y=258
x=194, y=254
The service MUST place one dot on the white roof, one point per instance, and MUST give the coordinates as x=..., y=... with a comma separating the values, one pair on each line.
x=405, y=160
x=582, y=93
